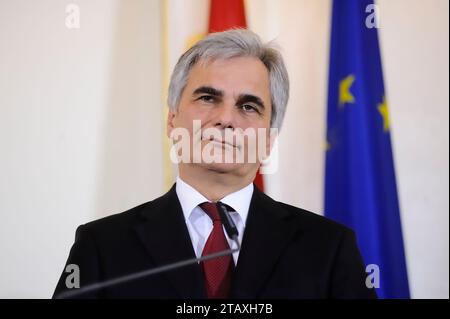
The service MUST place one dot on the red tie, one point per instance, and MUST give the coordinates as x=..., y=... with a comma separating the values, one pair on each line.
x=217, y=271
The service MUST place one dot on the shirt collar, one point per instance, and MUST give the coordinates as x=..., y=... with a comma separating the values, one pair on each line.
x=190, y=198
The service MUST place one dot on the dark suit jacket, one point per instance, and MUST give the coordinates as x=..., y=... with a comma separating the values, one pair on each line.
x=286, y=252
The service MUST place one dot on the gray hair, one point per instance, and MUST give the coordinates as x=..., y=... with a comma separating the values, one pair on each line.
x=230, y=44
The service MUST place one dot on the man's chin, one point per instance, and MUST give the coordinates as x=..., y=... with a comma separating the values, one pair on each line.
x=222, y=168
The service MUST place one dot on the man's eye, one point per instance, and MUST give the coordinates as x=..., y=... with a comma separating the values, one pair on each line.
x=248, y=108
x=207, y=98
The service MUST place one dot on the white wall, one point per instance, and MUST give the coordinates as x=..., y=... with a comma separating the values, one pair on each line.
x=414, y=40
x=81, y=128
x=80, y=113
x=414, y=44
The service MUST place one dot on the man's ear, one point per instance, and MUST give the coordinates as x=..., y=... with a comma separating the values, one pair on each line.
x=170, y=119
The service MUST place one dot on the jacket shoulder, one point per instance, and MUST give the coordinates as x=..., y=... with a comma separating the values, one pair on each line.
x=313, y=221
x=121, y=221
x=303, y=218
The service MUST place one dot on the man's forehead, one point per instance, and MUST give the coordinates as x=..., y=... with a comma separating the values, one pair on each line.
x=250, y=73
x=245, y=67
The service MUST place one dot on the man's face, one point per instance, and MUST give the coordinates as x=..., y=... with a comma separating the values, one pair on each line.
x=228, y=95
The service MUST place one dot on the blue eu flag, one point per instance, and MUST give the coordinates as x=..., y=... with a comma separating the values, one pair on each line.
x=360, y=187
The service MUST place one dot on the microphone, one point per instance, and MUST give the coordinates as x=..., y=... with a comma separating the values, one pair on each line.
x=230, y=228
x=227, y=221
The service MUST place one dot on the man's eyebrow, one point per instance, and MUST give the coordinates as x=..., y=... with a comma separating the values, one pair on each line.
x=208, y=90
x=244, y=98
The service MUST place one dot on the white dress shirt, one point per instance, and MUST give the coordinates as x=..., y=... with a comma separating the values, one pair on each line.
x=200, y=225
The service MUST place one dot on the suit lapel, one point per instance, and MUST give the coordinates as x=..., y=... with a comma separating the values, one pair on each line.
x=166, y=238
x=266, y=234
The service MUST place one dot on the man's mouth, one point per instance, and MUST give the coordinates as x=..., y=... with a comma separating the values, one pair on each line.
x=220, y=142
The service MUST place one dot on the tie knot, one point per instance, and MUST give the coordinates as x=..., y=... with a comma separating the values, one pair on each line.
x=211, y=210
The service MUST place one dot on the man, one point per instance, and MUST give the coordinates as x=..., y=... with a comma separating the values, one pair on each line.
x=230, y=82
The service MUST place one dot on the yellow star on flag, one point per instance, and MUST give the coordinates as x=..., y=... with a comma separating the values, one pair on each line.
x=383, y=109
x=345, y=96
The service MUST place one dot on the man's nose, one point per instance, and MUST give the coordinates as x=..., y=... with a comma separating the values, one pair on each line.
x=225, y=116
